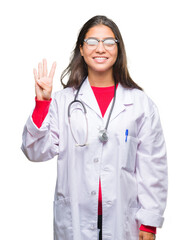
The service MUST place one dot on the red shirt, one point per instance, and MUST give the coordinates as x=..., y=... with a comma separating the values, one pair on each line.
x=103, y=96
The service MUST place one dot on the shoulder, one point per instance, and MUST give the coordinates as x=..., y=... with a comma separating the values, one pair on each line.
x=62, y=98
x=141, y=101
x=64, y=92
x=67, y=93
x=140, y=95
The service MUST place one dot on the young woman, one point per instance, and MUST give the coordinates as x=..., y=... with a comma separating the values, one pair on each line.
x=112, y=171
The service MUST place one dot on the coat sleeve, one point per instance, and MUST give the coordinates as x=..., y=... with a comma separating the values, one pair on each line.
x=151, y=170
x=42, y=144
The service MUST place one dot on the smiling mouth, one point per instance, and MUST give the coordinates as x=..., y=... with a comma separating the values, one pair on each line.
x=100, y=58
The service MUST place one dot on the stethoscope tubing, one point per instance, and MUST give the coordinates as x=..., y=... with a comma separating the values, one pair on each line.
x=85, y=114
x=103, y=133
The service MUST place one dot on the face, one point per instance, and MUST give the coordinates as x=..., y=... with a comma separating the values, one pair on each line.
x=99, y=59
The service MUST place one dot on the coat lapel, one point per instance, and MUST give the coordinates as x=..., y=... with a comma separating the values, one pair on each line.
x=123, y=100
x=87, y=96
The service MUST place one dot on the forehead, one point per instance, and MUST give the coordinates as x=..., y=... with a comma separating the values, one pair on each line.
x=100, y=31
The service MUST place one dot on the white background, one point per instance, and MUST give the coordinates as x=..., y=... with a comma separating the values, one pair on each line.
x=157, y=44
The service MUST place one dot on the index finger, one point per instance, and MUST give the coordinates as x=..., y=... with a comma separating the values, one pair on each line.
x=51, y=74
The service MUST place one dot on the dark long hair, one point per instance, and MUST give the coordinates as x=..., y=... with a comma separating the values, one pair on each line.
x=77, y=68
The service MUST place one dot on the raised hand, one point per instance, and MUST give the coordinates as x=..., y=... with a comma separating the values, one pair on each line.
x=43, y=81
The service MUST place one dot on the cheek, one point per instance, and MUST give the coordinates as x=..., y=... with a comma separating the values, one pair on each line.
x=114, y=53
x=85, y=54
x=86, y=59
x=115, y=56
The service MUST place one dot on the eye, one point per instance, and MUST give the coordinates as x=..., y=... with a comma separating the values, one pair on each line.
x=109, y=41
x=92, y=41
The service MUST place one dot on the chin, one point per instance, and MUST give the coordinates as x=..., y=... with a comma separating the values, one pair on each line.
x=101, y=69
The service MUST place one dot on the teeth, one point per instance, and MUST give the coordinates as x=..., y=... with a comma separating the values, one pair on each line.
x=100, y=58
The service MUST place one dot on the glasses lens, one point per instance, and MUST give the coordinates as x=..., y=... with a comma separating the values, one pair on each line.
x=109, y=43
x=92, y=42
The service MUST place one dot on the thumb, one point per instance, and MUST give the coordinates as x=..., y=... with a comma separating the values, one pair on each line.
x=43, y=85
x=39, y=83
x=140, y=235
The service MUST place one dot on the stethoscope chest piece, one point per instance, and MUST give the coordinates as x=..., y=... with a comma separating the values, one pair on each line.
x=103, y=136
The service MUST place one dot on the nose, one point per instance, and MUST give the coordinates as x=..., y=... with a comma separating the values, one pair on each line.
x=100, y=47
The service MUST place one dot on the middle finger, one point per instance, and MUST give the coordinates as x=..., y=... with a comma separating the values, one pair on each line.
x=44, y=68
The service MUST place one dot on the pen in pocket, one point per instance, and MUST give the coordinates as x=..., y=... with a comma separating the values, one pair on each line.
x=126, y=135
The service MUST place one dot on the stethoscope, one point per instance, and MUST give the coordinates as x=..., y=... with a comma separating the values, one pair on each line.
x=103, y=134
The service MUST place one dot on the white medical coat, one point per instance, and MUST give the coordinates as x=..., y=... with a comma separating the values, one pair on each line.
x=133, y=173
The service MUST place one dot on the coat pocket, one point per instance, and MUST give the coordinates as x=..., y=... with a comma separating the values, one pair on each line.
x=128, y=150
x=132, y=224
x=62, y=219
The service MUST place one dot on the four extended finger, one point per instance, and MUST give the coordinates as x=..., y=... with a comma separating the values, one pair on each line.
x=40, y=70
x=44, y=68
x=35, y=74
x=51, y=74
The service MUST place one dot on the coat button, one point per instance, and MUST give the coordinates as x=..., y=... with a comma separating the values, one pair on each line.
x=93, y=226
x=109, y=202
x=107, y=169
x=96, y=160
x=93, y=193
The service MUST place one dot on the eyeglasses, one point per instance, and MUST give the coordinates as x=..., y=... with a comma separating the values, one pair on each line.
x=108, y=43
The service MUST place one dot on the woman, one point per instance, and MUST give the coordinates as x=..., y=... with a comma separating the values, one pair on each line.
x=112, y=172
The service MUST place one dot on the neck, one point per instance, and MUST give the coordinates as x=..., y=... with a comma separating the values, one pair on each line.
x=101, y=79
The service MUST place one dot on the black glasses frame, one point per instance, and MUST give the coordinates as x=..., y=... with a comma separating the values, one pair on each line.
x=100, y=40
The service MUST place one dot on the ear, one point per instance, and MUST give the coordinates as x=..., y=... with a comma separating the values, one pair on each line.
x=81, y=50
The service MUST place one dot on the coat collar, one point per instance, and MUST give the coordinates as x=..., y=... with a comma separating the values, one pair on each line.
x=123, y=99
x=87, y=96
